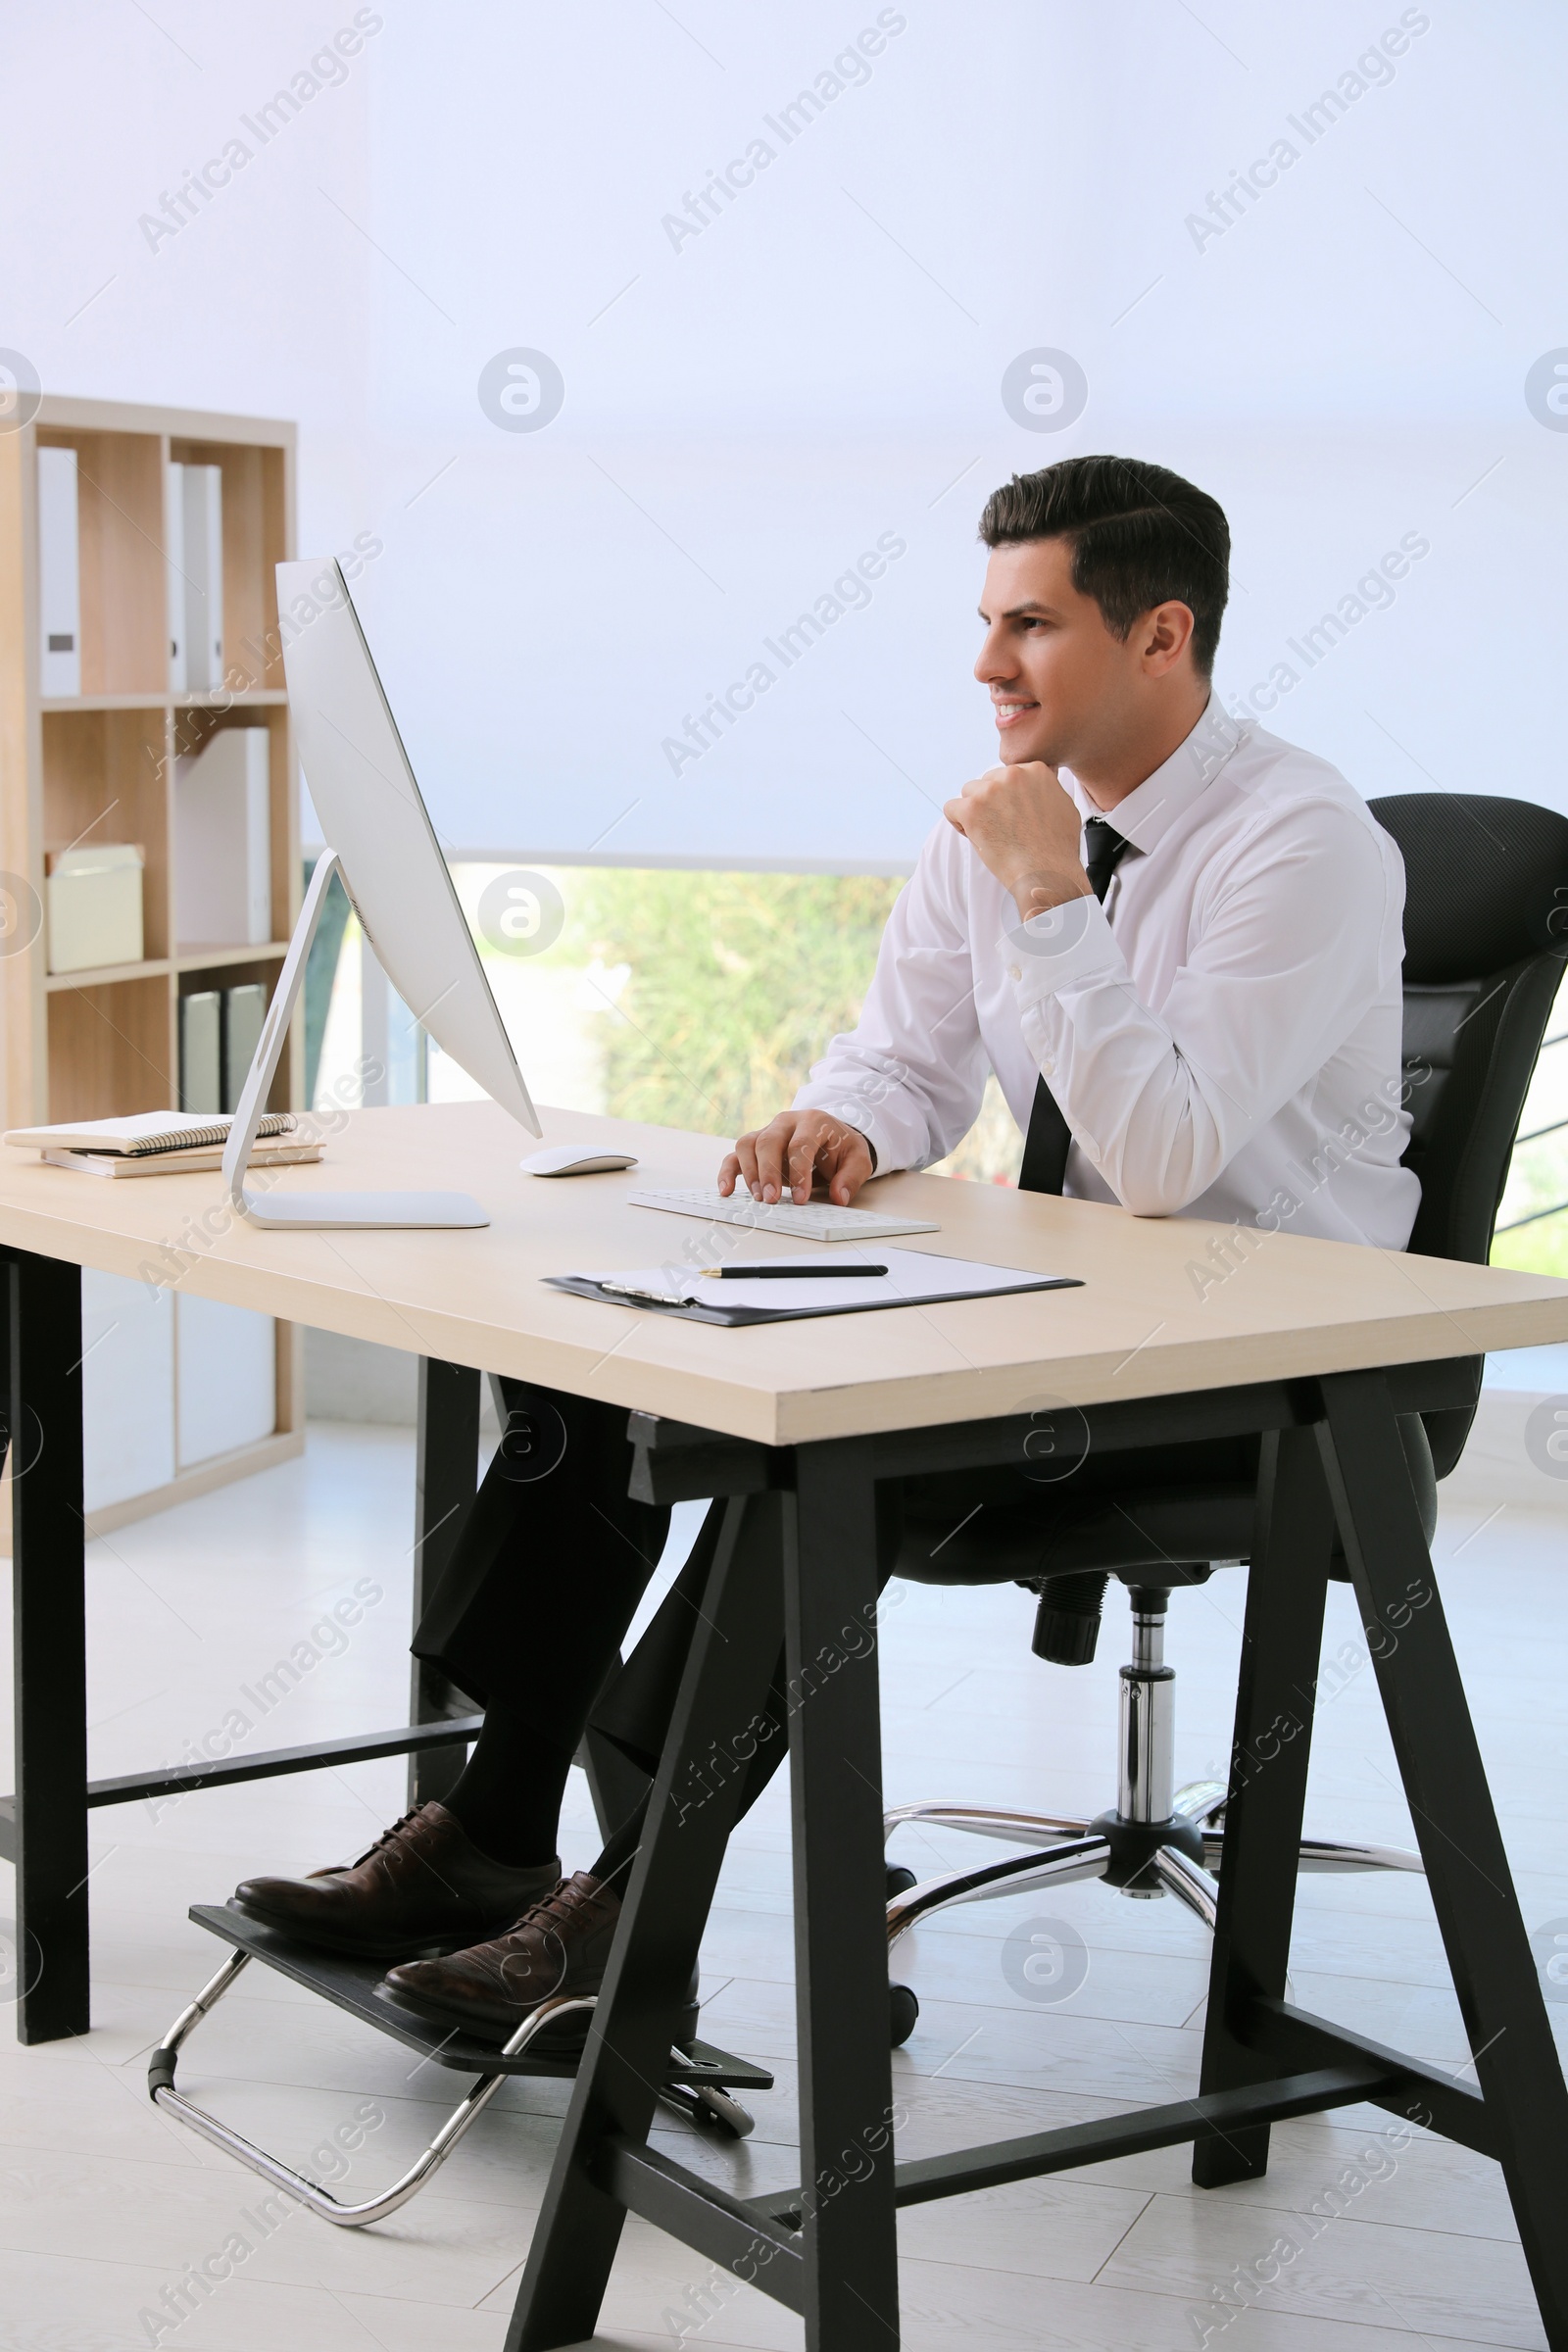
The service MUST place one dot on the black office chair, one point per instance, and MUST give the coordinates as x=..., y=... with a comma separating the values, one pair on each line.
x=1486, y=930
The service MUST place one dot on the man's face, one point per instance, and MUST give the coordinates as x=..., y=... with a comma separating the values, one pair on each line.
x=1061, y=684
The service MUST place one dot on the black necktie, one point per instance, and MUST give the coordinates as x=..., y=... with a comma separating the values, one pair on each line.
x=1045, y=1151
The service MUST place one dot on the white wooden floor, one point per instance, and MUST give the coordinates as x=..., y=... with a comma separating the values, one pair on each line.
x=105, y=2203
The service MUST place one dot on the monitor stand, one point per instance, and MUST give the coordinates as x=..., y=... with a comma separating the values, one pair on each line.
x=309, y=1210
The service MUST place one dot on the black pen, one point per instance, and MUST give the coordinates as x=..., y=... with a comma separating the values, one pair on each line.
x=783, y=1273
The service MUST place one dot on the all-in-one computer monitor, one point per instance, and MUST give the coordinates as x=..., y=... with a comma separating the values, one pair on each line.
x=381, y=842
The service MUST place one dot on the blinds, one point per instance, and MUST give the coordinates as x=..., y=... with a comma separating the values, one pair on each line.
x=667, y=361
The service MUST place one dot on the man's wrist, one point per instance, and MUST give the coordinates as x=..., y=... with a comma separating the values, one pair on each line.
x=1036, y=893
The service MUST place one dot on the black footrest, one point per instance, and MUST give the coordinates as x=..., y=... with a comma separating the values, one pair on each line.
x=355, y=1985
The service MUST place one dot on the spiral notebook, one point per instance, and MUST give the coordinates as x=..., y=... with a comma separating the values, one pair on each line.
x=143, y=1131
x=914, y=1278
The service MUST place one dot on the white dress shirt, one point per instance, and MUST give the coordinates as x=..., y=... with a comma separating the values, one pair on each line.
x=1222, y=1035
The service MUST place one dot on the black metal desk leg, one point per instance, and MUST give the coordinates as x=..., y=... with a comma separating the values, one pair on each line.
x=841, y=1960
x=1282, y=1641
x=5, y=1359
x=50, y=1659
x=1456, y=1828
x=446, y=1475
x=734, y=1657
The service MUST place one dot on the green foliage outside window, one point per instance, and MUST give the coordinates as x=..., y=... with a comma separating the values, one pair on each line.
x=737, y=983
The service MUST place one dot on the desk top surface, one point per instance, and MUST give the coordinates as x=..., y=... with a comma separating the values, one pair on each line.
x=1149, y=1320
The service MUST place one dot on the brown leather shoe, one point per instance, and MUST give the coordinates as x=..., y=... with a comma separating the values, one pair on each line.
x=560, y=1946
x=424, y=1886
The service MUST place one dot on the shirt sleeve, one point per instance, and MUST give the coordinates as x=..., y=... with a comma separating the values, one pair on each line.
x=911, y=1073
x=1283, y=962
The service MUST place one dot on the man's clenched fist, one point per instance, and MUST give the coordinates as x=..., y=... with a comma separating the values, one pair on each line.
x=1025, y=828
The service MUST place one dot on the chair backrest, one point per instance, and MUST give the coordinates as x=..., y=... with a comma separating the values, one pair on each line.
x=1486, y=936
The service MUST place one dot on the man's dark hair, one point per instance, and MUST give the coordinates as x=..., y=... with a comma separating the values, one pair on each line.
x=1140, y=536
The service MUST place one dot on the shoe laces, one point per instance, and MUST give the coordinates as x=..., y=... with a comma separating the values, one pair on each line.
x=389, y=1838
x=558, y=1907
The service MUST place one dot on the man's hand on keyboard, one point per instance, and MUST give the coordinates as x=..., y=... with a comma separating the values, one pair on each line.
x=797, y=1150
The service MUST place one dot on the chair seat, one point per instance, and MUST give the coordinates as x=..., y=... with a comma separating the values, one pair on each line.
x=1153, y=1526
x=1017, y=1542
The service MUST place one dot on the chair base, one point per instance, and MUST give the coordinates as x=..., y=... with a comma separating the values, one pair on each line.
x=1107, y=1846
x=698, y=2081
x=1142, y=1859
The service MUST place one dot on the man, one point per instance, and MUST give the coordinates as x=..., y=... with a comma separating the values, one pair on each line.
x=1194, y=1010
x=1230, y=1010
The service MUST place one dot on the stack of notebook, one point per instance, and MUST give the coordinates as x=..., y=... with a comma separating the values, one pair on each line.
x=159, y=1143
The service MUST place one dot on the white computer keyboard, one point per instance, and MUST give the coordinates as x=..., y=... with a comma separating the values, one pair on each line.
x=809, y=1221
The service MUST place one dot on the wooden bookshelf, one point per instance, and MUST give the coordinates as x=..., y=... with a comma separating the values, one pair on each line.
x=100, y=767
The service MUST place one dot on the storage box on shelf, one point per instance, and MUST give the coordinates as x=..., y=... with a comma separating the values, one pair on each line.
x=98, y=768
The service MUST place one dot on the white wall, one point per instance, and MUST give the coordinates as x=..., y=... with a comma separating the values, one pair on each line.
x=1343, y=366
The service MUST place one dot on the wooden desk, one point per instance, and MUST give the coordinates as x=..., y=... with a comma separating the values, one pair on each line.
x=1159, y=1314
x=1179, y=1330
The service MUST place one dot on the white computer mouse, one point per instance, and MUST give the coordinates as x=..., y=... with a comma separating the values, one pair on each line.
x=570, y=1159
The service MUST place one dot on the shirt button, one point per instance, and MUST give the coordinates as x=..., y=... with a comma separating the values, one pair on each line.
x=1048, y=1069
x=1015, y=972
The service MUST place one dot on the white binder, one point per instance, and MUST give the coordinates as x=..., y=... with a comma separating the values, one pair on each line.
x=59, y=574
x=174, y=574
x=202, y=500
x=223, y=841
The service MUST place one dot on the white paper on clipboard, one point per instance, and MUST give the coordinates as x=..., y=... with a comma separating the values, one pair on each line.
x=914, y=1278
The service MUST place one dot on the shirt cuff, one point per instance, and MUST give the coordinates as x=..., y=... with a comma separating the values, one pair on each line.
x=1062, y=944
x=844, y=1104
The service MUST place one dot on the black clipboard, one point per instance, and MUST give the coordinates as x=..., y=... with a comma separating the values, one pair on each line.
x=733, y=1317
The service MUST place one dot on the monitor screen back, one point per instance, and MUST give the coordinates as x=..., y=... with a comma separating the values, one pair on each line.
x=373, y=816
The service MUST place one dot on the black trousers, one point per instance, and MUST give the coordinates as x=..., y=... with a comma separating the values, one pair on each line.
x=554, y=1557
x=552, y=1563
x=550, y=1566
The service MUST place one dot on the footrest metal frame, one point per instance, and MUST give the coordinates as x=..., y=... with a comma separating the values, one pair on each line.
x=699, y=2083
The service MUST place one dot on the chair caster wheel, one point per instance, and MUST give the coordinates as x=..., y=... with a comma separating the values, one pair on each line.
x=720, y=2111
x=710, y=2110
x=903, y=2010
x=900, y=1881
